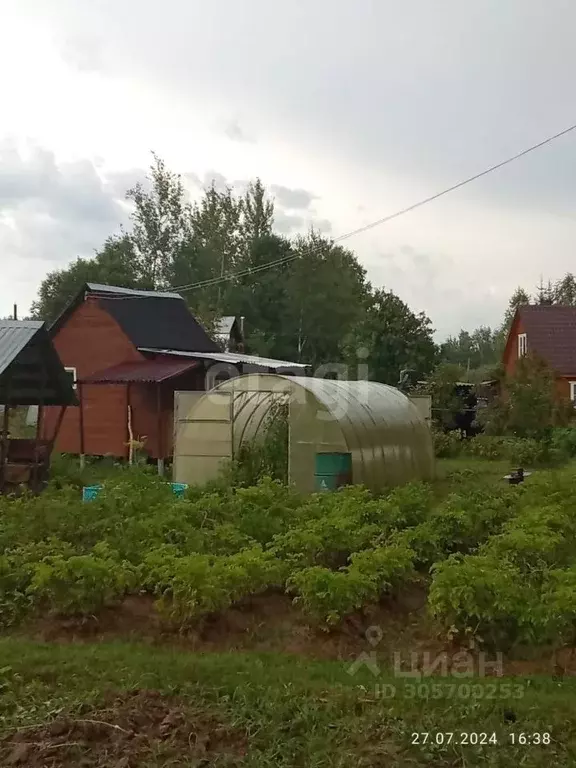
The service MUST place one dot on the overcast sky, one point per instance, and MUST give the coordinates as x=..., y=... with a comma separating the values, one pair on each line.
x=347, y=109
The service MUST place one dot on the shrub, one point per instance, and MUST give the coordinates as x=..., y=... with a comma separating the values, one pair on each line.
x=529, y=405
x=522, y=452
x=563, y=440
x=447, y=445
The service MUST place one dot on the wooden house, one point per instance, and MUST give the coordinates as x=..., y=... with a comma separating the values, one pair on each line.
x=550, y=333
x=127, y=352
x=230, y=333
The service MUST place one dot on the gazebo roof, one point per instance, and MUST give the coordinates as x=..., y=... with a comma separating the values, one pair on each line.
x=31, y=373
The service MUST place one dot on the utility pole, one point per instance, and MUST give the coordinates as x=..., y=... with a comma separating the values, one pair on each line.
x=15, y=312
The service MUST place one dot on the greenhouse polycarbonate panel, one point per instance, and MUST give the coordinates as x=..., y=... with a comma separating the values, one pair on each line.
x=203, y=437
x=388, y=439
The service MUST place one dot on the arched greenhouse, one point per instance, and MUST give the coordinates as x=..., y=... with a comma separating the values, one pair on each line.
x=338, y=432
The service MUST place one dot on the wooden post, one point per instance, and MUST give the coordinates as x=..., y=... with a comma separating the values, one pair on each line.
x=57, y=428
x=4, y=446
x=159, y=441
x=5, y=422
x=129, y=427
x=35, y=467
x=82, y=447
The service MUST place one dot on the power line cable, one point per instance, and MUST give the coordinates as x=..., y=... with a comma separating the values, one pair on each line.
x=378, y=222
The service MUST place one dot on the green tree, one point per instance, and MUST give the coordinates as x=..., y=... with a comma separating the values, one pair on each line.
x=261, y=296
x=565, y=290
x=394, y=337
x=545, y=293
x=115, y=264
x=326, y=293
x=257, y=213
x=441, y=386
x=472, y=350
x=518, y=299
x=161, y=223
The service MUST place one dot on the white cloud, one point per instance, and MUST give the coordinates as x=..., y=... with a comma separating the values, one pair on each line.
x=371, y=105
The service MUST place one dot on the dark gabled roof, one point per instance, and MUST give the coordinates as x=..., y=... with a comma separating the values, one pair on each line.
x=142, y=371
x=551, y=334
x=149, y=318
x=159, y=323
x=31, y=373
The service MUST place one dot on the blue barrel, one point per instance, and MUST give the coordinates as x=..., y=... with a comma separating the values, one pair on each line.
x=332, y=471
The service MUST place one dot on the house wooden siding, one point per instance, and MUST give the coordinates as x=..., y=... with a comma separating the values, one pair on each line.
x=511, y=349
x=143, y=398
x=131, y=350
x=510, y=357
x=89, y=341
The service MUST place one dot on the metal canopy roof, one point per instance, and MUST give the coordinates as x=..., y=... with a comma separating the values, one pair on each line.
x=232, y=358
x=116, y=290
x=31, y=373
x=14, y=336
x=224, y=325
x=141, y=371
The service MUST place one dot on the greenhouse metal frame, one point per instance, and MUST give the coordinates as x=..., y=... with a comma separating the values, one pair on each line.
x=387, y=437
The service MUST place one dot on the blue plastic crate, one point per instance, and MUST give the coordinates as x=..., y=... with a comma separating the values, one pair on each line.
x=89, y=492
x=179, y=489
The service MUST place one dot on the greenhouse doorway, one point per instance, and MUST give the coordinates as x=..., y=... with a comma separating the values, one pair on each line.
x=246, y=433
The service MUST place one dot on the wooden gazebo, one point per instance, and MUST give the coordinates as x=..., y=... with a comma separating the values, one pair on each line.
x=31, y=373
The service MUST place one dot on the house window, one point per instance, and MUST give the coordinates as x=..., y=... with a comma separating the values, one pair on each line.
x=72, y=373
x=522, y=346
x=573, y=391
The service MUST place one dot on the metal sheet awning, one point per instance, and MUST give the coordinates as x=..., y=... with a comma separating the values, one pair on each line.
x=141, y=371
x=233, y=358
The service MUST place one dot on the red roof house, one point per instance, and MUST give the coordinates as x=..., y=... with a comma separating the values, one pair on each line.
x=127, y=352
x=550, y=333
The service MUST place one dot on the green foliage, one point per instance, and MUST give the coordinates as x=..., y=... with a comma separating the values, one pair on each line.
x=446, y=444
x=81, y=584
x=329, y=595
x=267, y=454
x=114, y=264
x=301, y=309
x=516, y=587
x=481, y=593
x=529, y=405
x=197, y=585
x=563, y=441
x=521, y=452
x=473, y=350
x=501, y=557
x=394, y=338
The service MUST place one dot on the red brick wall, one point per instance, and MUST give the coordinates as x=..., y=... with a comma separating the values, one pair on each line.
x=90, y=340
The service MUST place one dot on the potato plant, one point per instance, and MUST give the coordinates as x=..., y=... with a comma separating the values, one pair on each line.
x=499, y=559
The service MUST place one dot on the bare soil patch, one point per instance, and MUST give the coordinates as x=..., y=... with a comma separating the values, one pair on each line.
x=267, y=622
x=139, y=728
